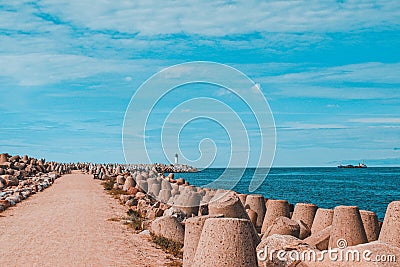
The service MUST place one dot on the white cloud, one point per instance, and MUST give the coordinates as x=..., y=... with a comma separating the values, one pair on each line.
x=39, y=68
x=377, y=120
x=218, y=18
x=310, y=126
x=371, y=80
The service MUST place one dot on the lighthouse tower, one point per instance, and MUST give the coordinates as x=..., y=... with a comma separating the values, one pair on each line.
x=176, y=158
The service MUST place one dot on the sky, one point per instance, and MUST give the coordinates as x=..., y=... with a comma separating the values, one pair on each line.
x=330, y=71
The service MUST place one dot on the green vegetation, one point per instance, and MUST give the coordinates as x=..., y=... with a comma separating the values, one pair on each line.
x=109, y=187
x=168, y=245
x=135, y=219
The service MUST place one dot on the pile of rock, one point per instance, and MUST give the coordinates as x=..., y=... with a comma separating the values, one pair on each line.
x=21, y=177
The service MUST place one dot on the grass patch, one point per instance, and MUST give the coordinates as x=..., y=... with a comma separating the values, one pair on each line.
x=108, y=184
x=168, y=245
x=109, y=187
x=135, y=219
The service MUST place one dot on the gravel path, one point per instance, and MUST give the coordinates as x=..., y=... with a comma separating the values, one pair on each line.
x=68, y=225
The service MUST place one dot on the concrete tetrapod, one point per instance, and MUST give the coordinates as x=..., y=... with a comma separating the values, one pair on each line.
x=323, y=218
x=371, y=225
x=229, y=205
x=243, y=198
x=168, y=227
x=226, y=242
x=305, y=212
x=193, y=229
x=275, y=209
x=390, y=232
x=347, y=227
x=257, y=203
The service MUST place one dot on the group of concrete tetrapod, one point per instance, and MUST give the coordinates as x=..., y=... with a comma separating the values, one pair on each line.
x=225, y=228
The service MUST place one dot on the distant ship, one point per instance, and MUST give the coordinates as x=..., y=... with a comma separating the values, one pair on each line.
x=359, y=166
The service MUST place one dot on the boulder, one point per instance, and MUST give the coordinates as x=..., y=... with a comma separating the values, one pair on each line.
x=320, y=240
x=283, y=226
x=129, y=182
x=168, y=227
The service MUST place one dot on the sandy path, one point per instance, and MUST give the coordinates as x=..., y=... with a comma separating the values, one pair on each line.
x=66, y=225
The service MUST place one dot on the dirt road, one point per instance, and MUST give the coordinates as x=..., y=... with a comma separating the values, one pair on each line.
x=68, y=225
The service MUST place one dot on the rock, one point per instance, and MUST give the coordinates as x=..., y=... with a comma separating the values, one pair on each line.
x=11, y=180
x=132, y=191
x=226, y=242
x=120, y=179
x=140, y=195
x=5, y=203
x=154, y=213
x=347, y=227
x=145, y=232
x=143, y=206
x=131, y=202
x=175, y=212
x=283, y=226
x=275, y=209
x=180, y=181
x=320, y=240
x=3, y=183
x=305, y=230
x=124, y=198
x=129, y=182
x=168, y=227
x=3, y=158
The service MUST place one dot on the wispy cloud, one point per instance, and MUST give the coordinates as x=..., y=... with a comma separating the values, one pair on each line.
x=370, y=80
x=377, y=120
x=222, y=18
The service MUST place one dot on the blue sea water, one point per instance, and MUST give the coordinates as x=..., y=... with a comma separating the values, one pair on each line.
x=369, y=189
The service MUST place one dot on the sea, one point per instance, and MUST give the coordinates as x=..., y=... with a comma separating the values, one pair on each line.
x=370, y=188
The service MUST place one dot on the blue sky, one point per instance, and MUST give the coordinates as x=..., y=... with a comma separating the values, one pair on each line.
x=330, y=71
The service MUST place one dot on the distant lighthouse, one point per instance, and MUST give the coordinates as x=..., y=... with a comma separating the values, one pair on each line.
x=176, y=158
